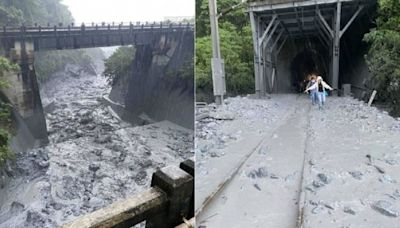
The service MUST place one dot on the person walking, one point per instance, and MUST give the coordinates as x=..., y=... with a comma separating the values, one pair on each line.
x=313, y=93
x=320, y=86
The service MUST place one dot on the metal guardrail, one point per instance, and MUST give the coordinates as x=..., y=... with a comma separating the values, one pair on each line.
x=168, y=203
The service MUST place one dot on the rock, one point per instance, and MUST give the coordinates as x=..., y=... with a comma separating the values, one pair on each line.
x=356, y=175
x=257, y=187
x=146, y=164
x=94, y=167
x=103, y=139
x=153, y=134
x=385, y=208
x=214, y=154
x=86, y=120
x=140, y=177
x=391, y=161
x=380, y=169
x=318, y=184
x=349, y=210
x=57, y=206
x=258, y=173
x=34, y=219
x=16, y=207
x=222, y=116
x=44, y=164
x=387, y=179
x=324, y=178
x=316, y=210
x=49, y=108
x=273, y=176
x=329, y=206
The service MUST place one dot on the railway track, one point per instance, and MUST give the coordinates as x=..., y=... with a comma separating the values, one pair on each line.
x=264, y=189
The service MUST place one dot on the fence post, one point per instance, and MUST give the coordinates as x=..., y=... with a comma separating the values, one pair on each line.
x=188, y=166
x=179, y=186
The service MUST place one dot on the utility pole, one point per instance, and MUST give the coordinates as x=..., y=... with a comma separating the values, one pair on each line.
x=217, y=63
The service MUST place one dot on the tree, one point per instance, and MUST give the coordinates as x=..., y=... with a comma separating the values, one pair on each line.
x=236, y=50
x=5, y=113
x=383, y=57
x=119, y=63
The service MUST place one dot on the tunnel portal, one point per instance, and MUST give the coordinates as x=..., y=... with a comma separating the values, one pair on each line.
x=293, y=38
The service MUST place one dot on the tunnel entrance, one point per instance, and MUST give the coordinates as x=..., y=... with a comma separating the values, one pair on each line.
x=275, y=26
x=306, y=62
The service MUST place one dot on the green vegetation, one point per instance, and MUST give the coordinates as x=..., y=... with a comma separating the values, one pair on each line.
x=383, y=57
x=42, y=12
x=5, y=113
x=49, y=62
x=29, y=12
x=236, y=49
x=119, y=63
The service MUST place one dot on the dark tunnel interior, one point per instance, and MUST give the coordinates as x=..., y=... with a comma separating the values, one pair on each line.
x=308, y=61
x=308, y=55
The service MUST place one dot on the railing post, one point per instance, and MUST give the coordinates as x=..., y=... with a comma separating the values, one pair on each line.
x=179, y=186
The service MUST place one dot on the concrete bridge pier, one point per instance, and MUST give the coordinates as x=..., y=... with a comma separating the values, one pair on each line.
x=23, y=92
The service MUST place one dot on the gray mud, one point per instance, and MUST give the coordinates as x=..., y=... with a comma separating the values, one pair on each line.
x=92, y=160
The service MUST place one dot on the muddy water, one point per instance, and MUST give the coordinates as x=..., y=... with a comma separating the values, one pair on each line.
x=92, y=160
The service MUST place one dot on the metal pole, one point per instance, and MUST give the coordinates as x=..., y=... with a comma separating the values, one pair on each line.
x=217, y=72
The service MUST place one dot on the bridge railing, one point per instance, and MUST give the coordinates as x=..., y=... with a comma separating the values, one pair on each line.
x=95, y=27
x=168, y=203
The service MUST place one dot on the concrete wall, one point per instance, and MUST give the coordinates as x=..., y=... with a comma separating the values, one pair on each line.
x=161, y=84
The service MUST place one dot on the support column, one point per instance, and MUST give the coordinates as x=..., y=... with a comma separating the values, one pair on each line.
x=336, y=47
x=255, y=32
x=261, y=60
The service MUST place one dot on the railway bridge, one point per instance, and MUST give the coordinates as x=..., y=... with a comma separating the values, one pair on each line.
x=19, y=45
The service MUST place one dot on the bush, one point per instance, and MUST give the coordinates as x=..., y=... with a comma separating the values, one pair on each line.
x=383, y=57
x=5, y=151
x=236, y=50
x=119, y=63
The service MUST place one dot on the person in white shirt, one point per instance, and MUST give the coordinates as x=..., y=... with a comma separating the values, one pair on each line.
x=320, y=85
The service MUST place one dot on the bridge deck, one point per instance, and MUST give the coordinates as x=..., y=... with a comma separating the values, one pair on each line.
x=73, y=37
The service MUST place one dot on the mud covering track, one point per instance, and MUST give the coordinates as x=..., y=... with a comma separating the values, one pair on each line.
x=321, y=155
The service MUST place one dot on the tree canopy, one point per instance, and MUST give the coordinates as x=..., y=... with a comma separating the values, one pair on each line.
x=236, y=49
x=383, y=57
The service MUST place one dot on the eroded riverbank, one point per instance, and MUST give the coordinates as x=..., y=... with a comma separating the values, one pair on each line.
x=93, y=158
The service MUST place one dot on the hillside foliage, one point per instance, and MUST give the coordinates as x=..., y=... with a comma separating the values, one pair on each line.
x=383, y=57
x=236, y=50
x=28, y=12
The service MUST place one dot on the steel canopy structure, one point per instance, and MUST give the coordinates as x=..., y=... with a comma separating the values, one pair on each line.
x=274, y=22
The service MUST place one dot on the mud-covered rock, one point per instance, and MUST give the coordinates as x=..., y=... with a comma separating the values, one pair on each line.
x=385, y=208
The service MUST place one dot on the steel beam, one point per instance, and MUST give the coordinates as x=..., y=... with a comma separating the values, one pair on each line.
x=281, y=46
x=323, y=29
x=351, y=20
x=277, y=39
x=267, y=30
x=254, y=29
x=336, y=47
x=264, y=43
x=325, y=23
x=323, y=34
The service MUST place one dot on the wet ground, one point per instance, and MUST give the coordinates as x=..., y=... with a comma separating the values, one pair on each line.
x=279, y=162
x=92, y=160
